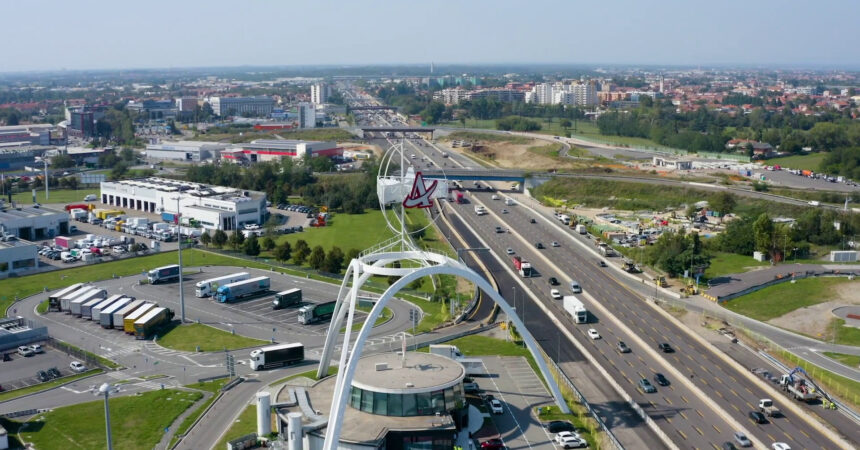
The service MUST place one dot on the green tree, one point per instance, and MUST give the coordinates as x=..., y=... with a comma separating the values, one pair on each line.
x=352, y=254
x=119, y=170
x=317, y=258
x=301, y=252
x=723, y=202
x=237, y=239
x=268, y=243
x=206, y=238
x=433, y=112
x=251, y=246
x=763, y=233
x=334, y=260
x=127, y=155
x=283, y=251
x=62, y=161
x=219, y=239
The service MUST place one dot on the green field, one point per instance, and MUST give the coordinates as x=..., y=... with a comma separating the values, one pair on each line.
x=9, y=395
x=214, y=387
x=246, y=423
x=137, y=422
x=55, y=195
x=210, y=339
x=846, y=335
x=783, y=298
x=727, y=263
x=848, y=360
x=487, y=137
x=550, y=150
x=811, y=161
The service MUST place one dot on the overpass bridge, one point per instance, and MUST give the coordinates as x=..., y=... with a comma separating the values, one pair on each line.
x=399, y=129
x=513, y=176
x=371, y=108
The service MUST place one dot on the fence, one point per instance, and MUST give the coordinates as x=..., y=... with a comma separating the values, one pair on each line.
x=88, y=358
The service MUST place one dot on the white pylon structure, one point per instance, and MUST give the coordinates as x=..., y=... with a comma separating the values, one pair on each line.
x=403, y=189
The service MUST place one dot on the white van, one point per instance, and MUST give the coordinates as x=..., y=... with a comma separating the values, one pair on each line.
x=90, y=198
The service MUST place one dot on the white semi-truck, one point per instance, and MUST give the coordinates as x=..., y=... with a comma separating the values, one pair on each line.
x=473, y=366
x=277, y=355
x=208, y=287
x=577, y=310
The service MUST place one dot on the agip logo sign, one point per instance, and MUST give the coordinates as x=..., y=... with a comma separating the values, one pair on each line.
x=420, y=196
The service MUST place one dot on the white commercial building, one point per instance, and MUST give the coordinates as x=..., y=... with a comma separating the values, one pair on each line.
x=275, y=149
x=212, y=207
x=236, y=106
x=577, y=94
x=307, y=115
x=195, y=151
x=18, y=256
x=32, y=223
x=320, y=93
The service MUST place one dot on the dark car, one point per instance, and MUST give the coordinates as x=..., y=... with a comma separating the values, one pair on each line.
x=553, y=281
x=660, y=379
x=666, y=348
x=54, y=372
x=539, y=246
x=728, y=446
x=43, y=376
x=646, y=386
x=601, y=263
x=758, y=417
x=557, y=426
x=532, y=221
x=622, y=347
x=493, y=444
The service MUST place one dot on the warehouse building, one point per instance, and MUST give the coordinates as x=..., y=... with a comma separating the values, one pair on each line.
x=268, y=150
x=33, y=223
x=210, y=207
x=260, y=106
x=191, y=151
x=18, y=256
x=14, y=156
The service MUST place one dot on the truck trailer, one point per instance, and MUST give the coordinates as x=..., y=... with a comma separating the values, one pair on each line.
x=208, y=287
x=291, y=297
x=106, y=314
x=54, y=299
x=163, y=274
x=99, y=309
x=151, y=321
x=79, y=301
x=246, y=288
x=575, y=308
x=120, y=314
x=277, y=356
x=523, y=267
x=66, y=300
x=473, y=366
x=128, y=321
x=316, y=313
x=88, y=308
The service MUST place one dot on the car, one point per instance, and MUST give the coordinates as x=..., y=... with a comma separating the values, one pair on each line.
x=37, y=348
x=666, y=348
x=471, y=387
x=742, y=439
x=77, y=366
x=43, y=376
x=509, y=251
x=557, y=426
x=728, y=446
x=661, y=379
x=575, y=287
x=539, y=246
x=504, y=211
x=572, y=442
x=54, y=372
x=646, y=387
x=553, y=281
x=622, y=347
x=757, y=417
x=593, y=334
x=555, y=294
x=532, y=220
x=601, y=263
x=555, y=244
x=496, y=407
x=493, y=444
x=562, y=435
x=500, y=230
x=25, y=350
x=780, y=446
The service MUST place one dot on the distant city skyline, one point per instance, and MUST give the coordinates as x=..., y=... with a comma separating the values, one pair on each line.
x=101, y=35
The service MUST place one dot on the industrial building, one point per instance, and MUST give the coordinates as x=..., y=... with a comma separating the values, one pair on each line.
x=81, y=120
x=395, y=403
x=671, y=163
x=13, y=156
x=268, y=150
x=19, y=331
x=33, y=223
x=192, y=151
x=154, y=109
x=18, y=256
x=237, y=106
x=207, y=206
x=39, y=134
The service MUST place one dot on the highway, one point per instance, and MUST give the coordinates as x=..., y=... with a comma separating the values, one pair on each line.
x=711, y=378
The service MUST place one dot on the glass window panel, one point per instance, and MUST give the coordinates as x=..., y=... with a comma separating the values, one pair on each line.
x=380, y=403
x=437, y=401
x=356, y=398
x=410, y=408
x=367, y=401
x=395, y=405
x=424, y=406
x=449, y=398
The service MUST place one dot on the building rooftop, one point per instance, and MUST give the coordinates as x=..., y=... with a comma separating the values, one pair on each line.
x=188, y=188
x=8, y=212
x=420, y=372
x=15, y=243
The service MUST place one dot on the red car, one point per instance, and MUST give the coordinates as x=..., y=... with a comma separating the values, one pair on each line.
x=493, y=444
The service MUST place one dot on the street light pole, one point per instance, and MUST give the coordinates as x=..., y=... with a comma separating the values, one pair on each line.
x=105, y=389
x=181, y=293
x=46, y=179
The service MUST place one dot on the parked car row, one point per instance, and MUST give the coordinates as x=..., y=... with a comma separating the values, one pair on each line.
x=47, y=375
x=30, y=350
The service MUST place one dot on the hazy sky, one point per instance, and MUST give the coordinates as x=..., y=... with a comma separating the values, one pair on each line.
x=89, y=34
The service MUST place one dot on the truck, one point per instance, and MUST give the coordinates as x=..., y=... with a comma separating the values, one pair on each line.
x=800, y=388
x=84, y=206
x=64, y=242
x=316, y=313
x=163, y=274
x=100, y=308
x=170, y=217
x=767, y=407
x=234, y=291
x=509, y=201
x=277, y=356
x=291, y=297
x=564, y=218
x=105, y=213
x=606, y=250
x=523, y=267
x=119, y=315
x=473, y=366
x=66, y=300
x=128, y=321
x=458, y=197
x=106, y=315
x=206, y=288
x=151, y=321
x=87, y=308
x=93, y=293
x=575, y=308
x=78, y=214
x=479, y=210
x=54, y=299
x=580, y=228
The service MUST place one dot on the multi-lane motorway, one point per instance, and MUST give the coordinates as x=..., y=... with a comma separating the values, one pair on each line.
x=708, y=398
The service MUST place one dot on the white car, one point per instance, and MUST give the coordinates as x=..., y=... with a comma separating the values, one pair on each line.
x=555, y=244
x=562, y=435
x=572, y=442
x=77, y=366
x=593, y=334
x=509, y=251
x=555, y=294
x=496, y=407
x=37, y=348
x=780, y=446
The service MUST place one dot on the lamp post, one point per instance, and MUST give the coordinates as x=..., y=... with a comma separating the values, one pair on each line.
x=46, y=176
x=181, y=293
x=105, y=389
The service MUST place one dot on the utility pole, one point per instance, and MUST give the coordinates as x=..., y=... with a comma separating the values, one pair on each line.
x=181, y=293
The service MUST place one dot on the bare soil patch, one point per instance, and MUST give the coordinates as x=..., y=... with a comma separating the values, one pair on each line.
x=815, y=320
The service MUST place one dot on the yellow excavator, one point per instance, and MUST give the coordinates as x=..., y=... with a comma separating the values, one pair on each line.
x=660, y=280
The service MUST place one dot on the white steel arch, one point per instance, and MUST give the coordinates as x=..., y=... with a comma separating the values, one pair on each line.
x=374, y=265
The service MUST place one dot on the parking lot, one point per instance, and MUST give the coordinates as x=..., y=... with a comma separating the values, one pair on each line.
x=22, y=371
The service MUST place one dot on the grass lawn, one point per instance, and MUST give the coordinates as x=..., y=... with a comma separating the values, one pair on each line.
x=808, y=162
x=727, y=263
x=550, y=150
x=848, y=360
x=488, y=137
x=55, y=195
x=586, y=427
x=211, y=386
x=246, y=423
x=780, y=299
x=846, y=335
x=346, y=231
x=137, y=422
x=384, y=317
x=9, y=395
x=188, y=337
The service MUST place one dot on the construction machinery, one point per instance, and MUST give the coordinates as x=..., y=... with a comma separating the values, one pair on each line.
x=660, y=280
